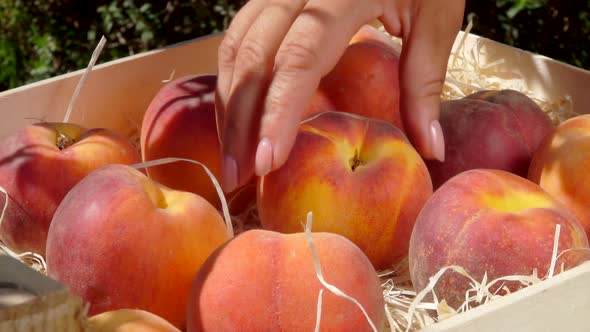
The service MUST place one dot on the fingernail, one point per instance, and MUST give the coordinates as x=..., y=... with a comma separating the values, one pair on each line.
x=219, y=116
x=263, y=157
x=230, y=174
x=437, y=141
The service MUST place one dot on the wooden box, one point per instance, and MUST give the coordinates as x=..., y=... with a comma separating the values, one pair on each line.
x=30, y=301
x=117, y=93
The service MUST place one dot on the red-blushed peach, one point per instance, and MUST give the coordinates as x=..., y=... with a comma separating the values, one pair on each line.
x=365, y=81
x=360, y=177
x=39, y=164
x=180, y=122
x=495, y=129
x=265, y=281
x=560, y=166
x=490, y=222
x=129, y=320
x=120, y=240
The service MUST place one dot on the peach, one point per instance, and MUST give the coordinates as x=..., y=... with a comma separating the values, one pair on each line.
x=265, y=281
x=364, y=81
x=180, y=122
x=370, y=33
x=129, y=320
x=120, y=240
x=490, y=222
x=560, y=166
x=359, y=176
x=39, y=164
x=495, y=129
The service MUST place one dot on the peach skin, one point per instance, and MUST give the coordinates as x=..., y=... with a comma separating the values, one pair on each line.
x=560, y=166
x=360, y=177
x=494, y=223
x=120, y=240
x=39, y=164
x=265, y=281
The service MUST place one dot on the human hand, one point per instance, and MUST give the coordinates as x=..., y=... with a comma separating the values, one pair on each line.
x=275, y=53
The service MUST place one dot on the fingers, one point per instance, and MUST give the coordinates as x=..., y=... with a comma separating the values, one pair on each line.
x=227, y=53
x=250, y=71
x=428, y=40
x=311, y=48
x=273, y=59
x=371, y=34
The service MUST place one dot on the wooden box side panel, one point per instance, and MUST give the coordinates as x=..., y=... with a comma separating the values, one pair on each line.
x=542, y=75
x=561, y=303
x=116, y=93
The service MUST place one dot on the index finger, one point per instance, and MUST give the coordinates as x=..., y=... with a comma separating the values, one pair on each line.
x=423, y=65
x=312, y=47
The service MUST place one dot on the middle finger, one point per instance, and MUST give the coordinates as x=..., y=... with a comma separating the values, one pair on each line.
x=252, y=70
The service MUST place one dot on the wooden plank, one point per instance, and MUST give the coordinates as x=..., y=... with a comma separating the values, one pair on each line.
x=561, y=303
x=31, y=301
x=116, y=93
x=545, y=76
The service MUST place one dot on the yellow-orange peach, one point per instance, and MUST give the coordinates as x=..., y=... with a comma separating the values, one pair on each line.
x=561, y=166
x=120, y=240
x=39, y=164
x=360, y=177
x=129, y=320
x=364, y=81
x=265, y=281
x=490, y=222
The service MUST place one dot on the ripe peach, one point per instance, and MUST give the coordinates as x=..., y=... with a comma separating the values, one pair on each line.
x=496, y=129
x=129, y=320
x=39, y=164
x=360, y=177
x=265, y=281
x=120, y=240
x=180, y=122
x=560, y=166
x=371, y=34
x=364, y=81
x=494, y=222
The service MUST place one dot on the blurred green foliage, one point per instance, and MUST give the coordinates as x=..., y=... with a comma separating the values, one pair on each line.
x=45, y=38
x=555, y=28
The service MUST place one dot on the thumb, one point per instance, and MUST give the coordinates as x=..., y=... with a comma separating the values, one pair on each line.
x=423, y=64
